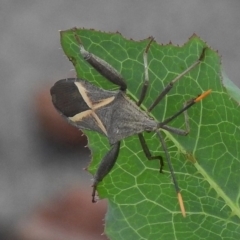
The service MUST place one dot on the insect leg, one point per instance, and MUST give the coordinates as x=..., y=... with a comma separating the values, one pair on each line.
x=146, y=77
x=170, y=85
x=105, y=167
x=148, y=153
x=172, y=172
x=104, y=68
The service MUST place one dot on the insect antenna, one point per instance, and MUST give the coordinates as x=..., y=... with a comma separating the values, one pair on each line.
x=172, y=172
x=171, y=84
x=161, y=125
x=186, y=106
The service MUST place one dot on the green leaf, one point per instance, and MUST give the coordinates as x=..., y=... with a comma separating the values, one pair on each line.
x=142, y=202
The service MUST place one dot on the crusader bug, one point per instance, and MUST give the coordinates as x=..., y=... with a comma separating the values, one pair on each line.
x=114, y=115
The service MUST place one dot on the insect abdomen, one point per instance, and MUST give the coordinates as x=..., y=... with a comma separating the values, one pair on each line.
x=67, y=99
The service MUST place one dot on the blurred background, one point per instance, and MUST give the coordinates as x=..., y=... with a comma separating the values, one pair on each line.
x=44, y=191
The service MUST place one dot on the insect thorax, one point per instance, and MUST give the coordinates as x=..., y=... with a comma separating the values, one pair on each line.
x=126, y=119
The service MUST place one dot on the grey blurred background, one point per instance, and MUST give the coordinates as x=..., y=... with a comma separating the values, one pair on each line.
x=32, y=167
